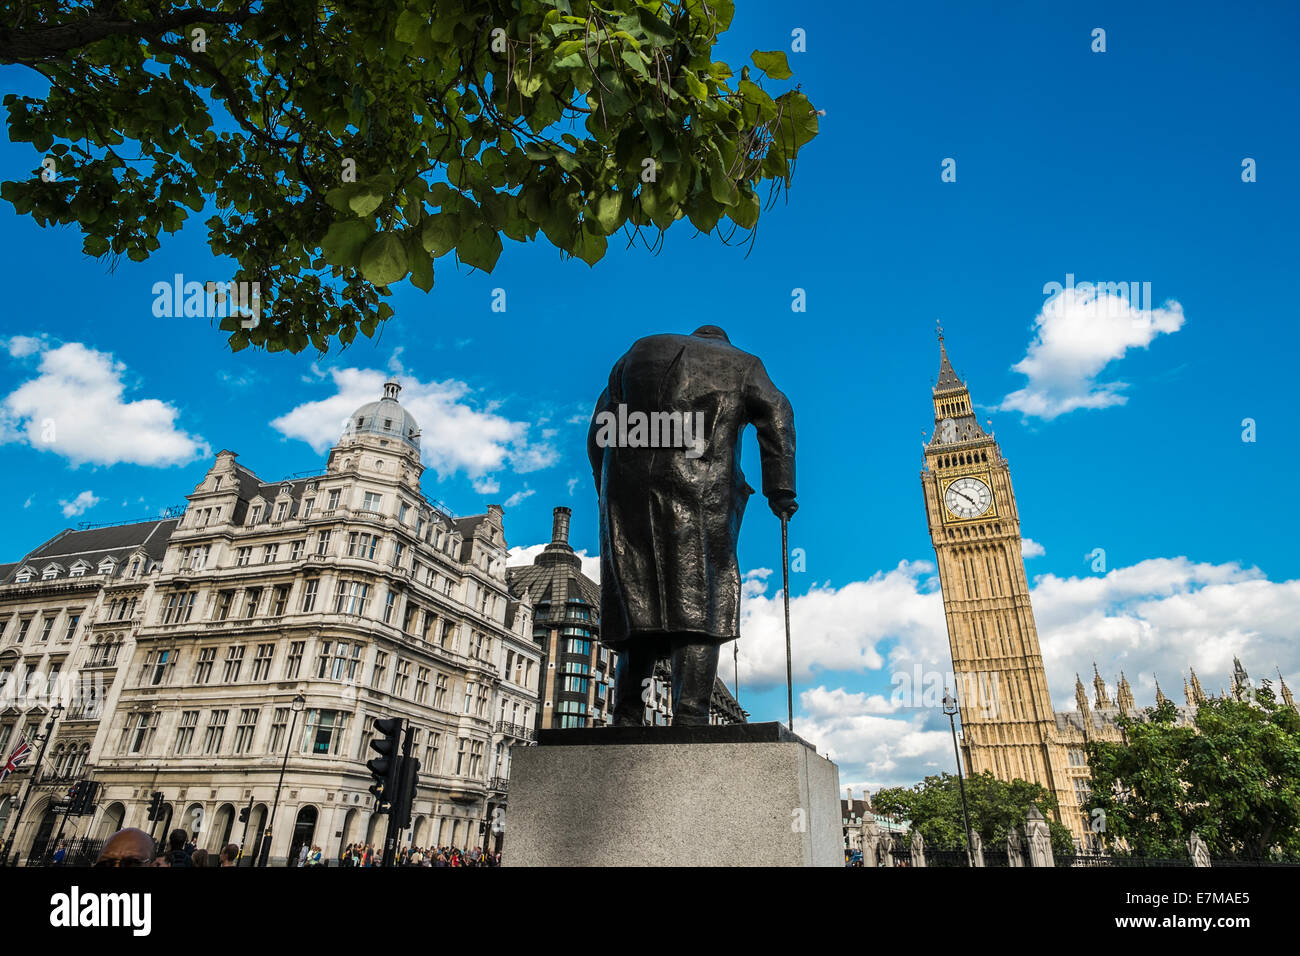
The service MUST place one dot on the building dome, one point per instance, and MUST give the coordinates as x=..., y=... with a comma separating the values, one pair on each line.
x=385, y=418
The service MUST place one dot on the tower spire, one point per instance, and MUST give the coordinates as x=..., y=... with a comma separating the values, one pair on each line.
x=1161, y=699
x=954, y=414
x=1125, y=696
x=1241, y=685
x=1198, y=695
x=1286, y=691
x=1081, y=700
x=948, y=379
x=1099, y=687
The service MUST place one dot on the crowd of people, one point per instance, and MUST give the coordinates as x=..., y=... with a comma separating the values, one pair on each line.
x=134, y=847
x=364, y=854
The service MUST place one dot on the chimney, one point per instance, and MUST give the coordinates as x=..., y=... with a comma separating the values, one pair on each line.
x=560, y=526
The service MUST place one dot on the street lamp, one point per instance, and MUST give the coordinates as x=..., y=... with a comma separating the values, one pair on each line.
x=299, y=702
x=950, y=708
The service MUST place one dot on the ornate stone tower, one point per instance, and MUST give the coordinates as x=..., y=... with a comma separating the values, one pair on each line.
x=1008, y=725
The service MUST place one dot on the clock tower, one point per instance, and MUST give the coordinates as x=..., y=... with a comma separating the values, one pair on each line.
x=1008, y=725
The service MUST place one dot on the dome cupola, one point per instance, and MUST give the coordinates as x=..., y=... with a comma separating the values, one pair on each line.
x=385, y=418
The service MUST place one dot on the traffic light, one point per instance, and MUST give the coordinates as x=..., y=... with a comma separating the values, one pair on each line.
x=243, y=814
x=386, y=767
x=409, y=779
x=88, y=791
x=155, y=805
x=74, y=796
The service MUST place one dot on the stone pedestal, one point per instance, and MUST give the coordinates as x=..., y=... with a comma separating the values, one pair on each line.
x=731, y=795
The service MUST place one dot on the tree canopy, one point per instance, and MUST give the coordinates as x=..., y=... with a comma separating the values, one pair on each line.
x=1233, y=776
x=995, y=806
x=343, y=146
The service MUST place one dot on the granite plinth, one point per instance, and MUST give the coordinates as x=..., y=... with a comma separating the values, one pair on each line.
x=639, y=797
x=764, y=733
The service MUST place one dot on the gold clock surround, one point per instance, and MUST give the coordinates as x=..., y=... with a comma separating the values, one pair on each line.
x=947, y=481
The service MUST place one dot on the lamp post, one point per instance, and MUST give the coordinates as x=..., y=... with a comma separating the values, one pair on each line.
x=299, y=702
x=950, y=708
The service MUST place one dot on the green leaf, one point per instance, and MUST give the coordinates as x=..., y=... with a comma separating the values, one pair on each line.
x=409, y=26
x=719, y=12
x=589, y=248
x=440, y=233
x=608, y=209
x=637, y=61
x=745, y=211
x=721, y=187
x=773, y=63
x=797, y=127
x=659, y=32
x=421, y=264
x=365, y=203
x=342, y=243
x=479, y=247
x=757, y=106
x=383, y=260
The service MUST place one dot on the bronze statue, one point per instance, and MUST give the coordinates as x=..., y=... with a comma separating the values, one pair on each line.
x=664, y=445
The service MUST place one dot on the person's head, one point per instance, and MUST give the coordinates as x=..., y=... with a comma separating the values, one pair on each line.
x=711, y=332
x=177, y=840
x=229, y=854
x=129, y=847
x=199, y=858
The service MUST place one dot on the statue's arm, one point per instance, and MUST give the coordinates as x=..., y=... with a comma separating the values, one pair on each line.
x=596, y=454
x=773, y=418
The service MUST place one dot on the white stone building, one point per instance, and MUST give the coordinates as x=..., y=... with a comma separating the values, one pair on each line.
x=348, y=592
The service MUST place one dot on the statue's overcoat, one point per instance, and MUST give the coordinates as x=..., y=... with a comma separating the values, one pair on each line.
x=670, y=521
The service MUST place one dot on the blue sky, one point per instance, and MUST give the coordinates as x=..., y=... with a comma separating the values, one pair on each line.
x=1117, y=166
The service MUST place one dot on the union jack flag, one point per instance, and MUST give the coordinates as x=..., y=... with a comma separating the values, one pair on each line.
x=21, y=753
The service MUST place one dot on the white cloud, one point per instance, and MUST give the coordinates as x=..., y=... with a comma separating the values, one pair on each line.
x=457, y=433
x=80, y=504
x=21, y=346
x=836, y=629
x=525, y=554
x=518, y=497
x=1029, y=548
x=875, y=750
x=1078, y=333
x=572, y=483
x=76, y=407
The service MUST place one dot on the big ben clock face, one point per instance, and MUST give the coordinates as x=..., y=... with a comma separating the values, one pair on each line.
x=968, y=497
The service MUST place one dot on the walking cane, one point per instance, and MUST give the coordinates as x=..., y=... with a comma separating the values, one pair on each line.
x=785, y=580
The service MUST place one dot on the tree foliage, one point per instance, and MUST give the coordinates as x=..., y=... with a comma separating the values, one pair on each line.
x=343, y=146
x=995, y=806
x=1233, y=776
